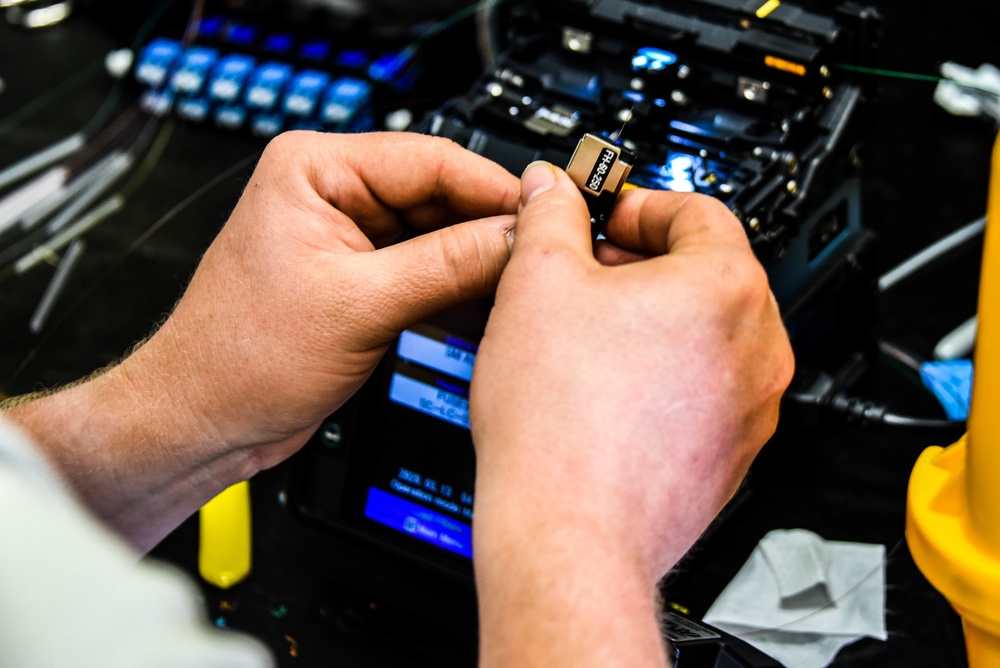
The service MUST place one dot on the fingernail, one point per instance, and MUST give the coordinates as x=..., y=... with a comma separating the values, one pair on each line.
x=537, y=177
x=510, y=239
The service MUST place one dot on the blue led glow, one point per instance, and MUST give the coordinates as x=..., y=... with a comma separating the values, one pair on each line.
x=196, y=63
x=266, y=85
x=304, y=93
x=633, y=96
x=282, y=42
x=209, y=27
x=267, y=125
x=389, y=66
x=157, y=102
x=315, y=50
x=660, y=102
x=192, y=109
x=229, y=77
x=681, y=163
x=686, y=127
x=651, y=58
x=344, y=99
x=680, y=185
x=231, y=117
x=240, y=33
x=352, y=58
x=156, y=60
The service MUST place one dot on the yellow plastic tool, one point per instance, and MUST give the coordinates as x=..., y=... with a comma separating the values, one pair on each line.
x=224, y=544
x=953, y=507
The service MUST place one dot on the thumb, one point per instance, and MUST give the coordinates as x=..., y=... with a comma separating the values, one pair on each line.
x=428, y=273
x=553, y=213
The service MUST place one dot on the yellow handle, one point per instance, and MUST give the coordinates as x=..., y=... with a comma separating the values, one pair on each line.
x=224, y=544
x=953, y=508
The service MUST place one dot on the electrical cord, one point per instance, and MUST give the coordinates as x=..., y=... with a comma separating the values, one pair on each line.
x=865, y=413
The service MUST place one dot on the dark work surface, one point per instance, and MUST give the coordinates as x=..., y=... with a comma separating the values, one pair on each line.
x=925, y=175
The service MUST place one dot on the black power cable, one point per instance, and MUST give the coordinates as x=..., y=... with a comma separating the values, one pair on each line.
x=866, y=413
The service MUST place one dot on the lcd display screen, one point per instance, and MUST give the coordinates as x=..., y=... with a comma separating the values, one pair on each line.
x=422, y=484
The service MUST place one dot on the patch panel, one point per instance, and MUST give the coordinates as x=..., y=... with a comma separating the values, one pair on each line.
x=241, y=77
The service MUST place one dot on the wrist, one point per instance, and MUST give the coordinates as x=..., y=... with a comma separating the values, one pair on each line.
x=125, y=442
x=560, y=585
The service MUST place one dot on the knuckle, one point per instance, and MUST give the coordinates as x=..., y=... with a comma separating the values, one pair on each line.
x=443, y=144
x=712, y=212
x=753, y=280
x=454, y=253
x=743, y=281
x=786, y=364
x=712, y=206
x=470, y=266
x=539, y=258
x=293, y=147
x=540, y=265
x=286, y=142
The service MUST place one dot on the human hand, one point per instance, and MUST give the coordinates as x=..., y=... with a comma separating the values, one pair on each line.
x=616, y=404
x=286, y=316
x=292, y=306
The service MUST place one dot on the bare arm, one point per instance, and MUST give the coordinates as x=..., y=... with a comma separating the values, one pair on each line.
x=285, y=317
x=616, y=405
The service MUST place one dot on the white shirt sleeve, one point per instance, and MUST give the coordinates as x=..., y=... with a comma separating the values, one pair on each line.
x=73, y=594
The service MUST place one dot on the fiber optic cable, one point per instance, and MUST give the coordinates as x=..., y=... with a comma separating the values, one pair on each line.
x=33, y=193
x=118, y=159
x=42, y=101
x=42, y=159
x=402, y=59
x=73, y=143
x=107, y=208
x=485, y=31
x=912, y=76
x=16, y=204
x=38, y=194
x=54, y=201
x=939, y=248
x=104, y=179
x=80, y=77
x=56, y=286
x=90, y=219
x=84, y=224
x=116, y=167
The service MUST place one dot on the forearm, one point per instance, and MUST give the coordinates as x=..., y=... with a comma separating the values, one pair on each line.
x=131, y=450
x=555, y=591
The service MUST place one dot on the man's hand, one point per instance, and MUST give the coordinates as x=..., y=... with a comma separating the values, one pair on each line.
x=286, y=316
x=616, y=405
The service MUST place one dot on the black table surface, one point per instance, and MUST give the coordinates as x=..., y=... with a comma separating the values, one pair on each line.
x=925, y=174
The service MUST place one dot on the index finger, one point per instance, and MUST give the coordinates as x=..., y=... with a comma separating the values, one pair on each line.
x=660, y=221
x=407, y=172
